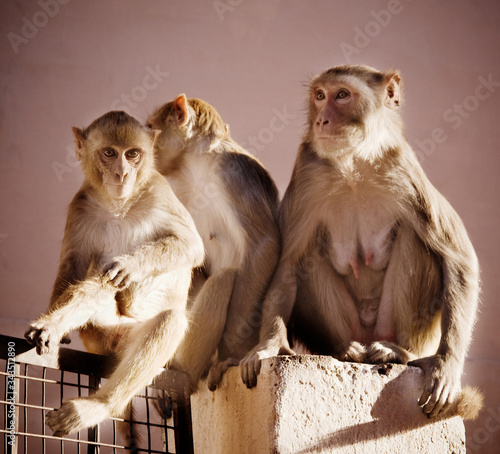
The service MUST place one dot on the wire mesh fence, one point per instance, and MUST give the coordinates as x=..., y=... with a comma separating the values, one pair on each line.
x=32, y=385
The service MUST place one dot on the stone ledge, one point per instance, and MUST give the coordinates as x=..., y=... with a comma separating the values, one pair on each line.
x=316, y=404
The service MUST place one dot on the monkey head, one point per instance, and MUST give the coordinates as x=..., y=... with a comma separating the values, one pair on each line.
x=350, y=103
x=182, y=121
x=116, y=154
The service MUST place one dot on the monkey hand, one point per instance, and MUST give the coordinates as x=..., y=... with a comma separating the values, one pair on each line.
x=250, y=364
x=122, y=272
x=44, y=336
x=442, y=383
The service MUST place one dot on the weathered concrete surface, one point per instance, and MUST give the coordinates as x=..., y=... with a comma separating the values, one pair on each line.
x=316, y=404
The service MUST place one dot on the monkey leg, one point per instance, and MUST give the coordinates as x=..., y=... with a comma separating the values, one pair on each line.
x=73, y=309
x=407, y=320
x=325, y=315
x=244, y=316
x=207, y=319
x=151, y=345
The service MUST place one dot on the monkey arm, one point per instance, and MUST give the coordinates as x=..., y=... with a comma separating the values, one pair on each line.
x=75, y=307
x=443, y=232
x=180, y=247
x=276, y=311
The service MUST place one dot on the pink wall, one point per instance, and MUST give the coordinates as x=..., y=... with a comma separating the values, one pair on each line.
x=64, y=62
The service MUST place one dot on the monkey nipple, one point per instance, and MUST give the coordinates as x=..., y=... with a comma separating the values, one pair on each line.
x=355, y=267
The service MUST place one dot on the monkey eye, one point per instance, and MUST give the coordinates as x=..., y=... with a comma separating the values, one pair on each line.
x=109, y=152
x=320, y=95
x=343, y=94
x=132, y=153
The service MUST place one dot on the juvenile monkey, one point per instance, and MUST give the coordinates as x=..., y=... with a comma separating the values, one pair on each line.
x=376, y=265
x=234, y=204
x=125, y=268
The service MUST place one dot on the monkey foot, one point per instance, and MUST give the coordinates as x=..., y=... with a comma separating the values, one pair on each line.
x=355, y=352
x=387, y=352
x=217, y=371
x=75, y=415
x=163, y=404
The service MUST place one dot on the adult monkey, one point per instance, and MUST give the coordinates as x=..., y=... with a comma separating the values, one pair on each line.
x=234, y=204
x=125, y=270
x=376, y=265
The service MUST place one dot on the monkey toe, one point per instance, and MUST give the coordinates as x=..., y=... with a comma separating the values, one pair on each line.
x=249, y=373
x=387, y=352
x=217, y=371
x=63, y=421
x=354, y=352
x=163, y=404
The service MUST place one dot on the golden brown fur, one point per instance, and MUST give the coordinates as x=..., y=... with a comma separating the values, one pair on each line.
x=125, y=268
x=376, y=265
x=233, y=201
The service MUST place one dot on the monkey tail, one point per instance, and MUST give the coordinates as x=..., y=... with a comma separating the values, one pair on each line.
x=128, y=429
x=468, y=404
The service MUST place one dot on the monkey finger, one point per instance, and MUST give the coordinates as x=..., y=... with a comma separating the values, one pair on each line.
x=442, y=402
x=424, y=398
x=30, y=335
x=119, y=279
x=111, y=274
x=65, y=340
x=43, y=341
x=431, y=403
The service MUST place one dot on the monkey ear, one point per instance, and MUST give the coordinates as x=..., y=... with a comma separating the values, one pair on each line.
x=181, y=110
x=154, y=134
x=79, y=138
x=392, y=94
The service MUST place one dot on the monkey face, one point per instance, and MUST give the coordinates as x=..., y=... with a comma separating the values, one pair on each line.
x=345, y=103
x=116, y=152
x=119, y=168
x=333, y=106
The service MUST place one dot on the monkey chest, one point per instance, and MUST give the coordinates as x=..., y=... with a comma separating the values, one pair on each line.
x=361, y=229
x=119, y=236
x=200, y=190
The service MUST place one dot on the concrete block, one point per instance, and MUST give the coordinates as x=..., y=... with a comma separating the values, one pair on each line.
x=316, y=404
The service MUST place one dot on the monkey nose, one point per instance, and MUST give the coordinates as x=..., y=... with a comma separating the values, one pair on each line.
x=120, y=177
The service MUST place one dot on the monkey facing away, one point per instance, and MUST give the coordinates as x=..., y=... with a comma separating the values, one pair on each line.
x=234, y=204
x=125, y=271
x=376, y=265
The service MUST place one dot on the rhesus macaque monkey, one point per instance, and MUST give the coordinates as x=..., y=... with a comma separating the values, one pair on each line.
x=234, y=204
x=126, y=261
x=376, y=265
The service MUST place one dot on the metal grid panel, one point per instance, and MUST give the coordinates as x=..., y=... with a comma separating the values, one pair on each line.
x=32, y=385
